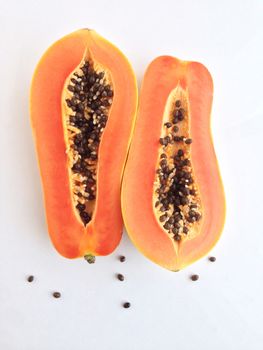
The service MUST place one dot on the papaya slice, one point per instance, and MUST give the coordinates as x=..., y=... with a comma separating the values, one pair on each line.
x=83, y=102
x=172, y=195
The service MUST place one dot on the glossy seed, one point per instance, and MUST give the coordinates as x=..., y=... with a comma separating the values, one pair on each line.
x=30, y=278
x=168, y=124
x=56, y=295
x=194, y=277
x=212, y=258
x=120, y=277
x=162, y=218
x=122, y=258
x=185, y=230
x=180, y=153
x=188, y=141
x=177, y=237
x=126, y=305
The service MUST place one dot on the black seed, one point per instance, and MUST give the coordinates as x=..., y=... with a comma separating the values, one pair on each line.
x=71, y=88
x=168, y=124
x=185, y=230
x=178, y=103
x=181, y=111
x=192, y=192
x=197, y=216
x=194, y=277
x=91, y=197
x=165, y=201
x=30, y=278
x=56, y=295
x=72, y=119
x=162, y=218
x=122, y=258
x=156, y=204
x=179, y=174
x=106, y=103
x=181, y=117
x=186, y=162
x=120, y=277
x=187, y=175
x=180, y=153
x=92, y=79
x=193, y=206
x=101, y=75
x=167, y=226
x=93, y=156
x=177, y=218
x=192, y=213
x=110, y=93
x=163, y=162
x=177, y=138
x=191, y=219
x=162, y=209
x=177, y=113
x=184, y=201
x=107, y=87
x=163, y=155
x=177, y=201
x=212, y=258
x=80, y=107
x=177, y=225
x=188, y=141
x=177, y=237
x=84, y=215
x=78, y=88
x=171, y=220
x=80, y=206
x=168, y=139
x=175, y=128
x=68, y=101
x=126, y=305
x=185, y=191
x=91, y=181
x=177, y=158
x=175, y=120
x=163, y=141
x=175, y=230
x=190, y=180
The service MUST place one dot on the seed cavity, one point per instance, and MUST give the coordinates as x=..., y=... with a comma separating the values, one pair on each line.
x=87, y=100
x=176, y=201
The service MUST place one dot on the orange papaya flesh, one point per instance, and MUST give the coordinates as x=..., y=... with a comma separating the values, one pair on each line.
x=83, y=102
x=172, y=195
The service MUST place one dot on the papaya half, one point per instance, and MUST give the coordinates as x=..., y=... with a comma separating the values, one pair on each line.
x=172, y=195
x=83, y=102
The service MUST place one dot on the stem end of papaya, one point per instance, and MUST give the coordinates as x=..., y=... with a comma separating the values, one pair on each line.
x=90, y=258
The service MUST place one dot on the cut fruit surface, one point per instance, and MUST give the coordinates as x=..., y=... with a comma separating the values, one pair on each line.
x=83, y=102
x=172, y=195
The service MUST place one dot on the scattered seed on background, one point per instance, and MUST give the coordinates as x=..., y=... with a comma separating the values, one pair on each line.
x=122, y=258
x=212, y=258
x=126, y=305
x=56, y=295
x=194, y=277
x=30, y=278
x=120, y=277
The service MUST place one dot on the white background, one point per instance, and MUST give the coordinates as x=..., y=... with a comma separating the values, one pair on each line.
x=223, y=310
